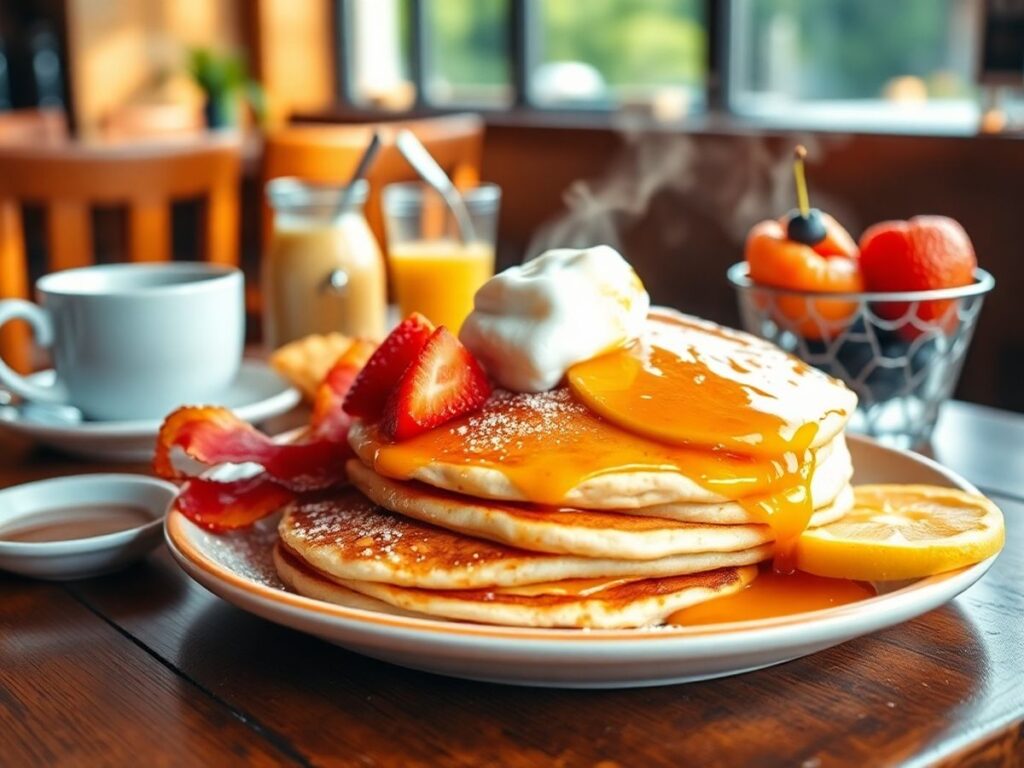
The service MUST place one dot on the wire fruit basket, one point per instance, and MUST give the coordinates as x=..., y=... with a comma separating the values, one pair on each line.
x=900, y=352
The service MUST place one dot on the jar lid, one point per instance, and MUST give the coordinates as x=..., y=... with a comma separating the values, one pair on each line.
x=293, y=192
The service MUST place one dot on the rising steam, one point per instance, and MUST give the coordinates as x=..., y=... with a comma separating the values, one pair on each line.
x=733, y=180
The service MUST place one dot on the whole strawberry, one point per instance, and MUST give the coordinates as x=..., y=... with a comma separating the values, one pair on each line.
x=924, y=253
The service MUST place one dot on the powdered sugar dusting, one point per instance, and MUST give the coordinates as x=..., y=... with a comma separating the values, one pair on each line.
x=248, y=553
x=362, y=528
x=508, y=419
x=352, y=528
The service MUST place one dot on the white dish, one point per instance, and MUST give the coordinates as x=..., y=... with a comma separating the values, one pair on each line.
x=237, y=567
x=81, y=558
x=257, y=394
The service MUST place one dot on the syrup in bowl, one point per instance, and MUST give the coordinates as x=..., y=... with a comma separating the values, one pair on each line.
x=83, y=521
x=80, y=526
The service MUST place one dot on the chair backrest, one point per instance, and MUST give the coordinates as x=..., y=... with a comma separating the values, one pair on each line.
x=69, y=180
x=328, y=153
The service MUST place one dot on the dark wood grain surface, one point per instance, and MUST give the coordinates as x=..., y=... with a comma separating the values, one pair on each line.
x=146, y=667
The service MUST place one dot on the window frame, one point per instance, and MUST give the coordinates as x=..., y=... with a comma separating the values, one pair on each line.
x=524, y=17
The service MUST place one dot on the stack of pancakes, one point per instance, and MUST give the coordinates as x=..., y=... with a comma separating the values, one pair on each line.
x=537, y=512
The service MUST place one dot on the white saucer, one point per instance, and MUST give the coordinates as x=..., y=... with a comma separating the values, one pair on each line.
x=238, y=568
x=257, y=394
x=81, y=558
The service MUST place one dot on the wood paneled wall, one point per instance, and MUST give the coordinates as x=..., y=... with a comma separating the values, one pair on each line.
x=123, y=50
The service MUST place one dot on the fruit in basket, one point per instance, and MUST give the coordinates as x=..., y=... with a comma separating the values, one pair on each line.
x=777, y=261
x=924, y=253
x=809, y=229
x=806, y=250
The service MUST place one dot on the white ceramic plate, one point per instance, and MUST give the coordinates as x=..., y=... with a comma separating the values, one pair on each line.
x=257, y=394
x=237, y=567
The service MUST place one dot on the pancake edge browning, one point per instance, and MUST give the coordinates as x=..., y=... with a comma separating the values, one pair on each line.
x=303, y=579
x=587, y=533
x=640, y=603
x=339, y=536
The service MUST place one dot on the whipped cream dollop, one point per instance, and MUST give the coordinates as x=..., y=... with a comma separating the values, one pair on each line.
x=531, y=323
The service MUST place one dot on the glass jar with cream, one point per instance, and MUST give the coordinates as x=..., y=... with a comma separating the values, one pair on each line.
x=324, y=270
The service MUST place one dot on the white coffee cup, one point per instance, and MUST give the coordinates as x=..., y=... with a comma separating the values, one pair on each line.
x=134, y=341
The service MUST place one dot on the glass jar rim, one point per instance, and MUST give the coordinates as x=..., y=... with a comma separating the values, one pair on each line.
x=295, y=192
x=402, y=196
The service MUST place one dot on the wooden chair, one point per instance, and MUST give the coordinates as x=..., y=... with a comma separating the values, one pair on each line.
x=68, y=180
x=329, y=153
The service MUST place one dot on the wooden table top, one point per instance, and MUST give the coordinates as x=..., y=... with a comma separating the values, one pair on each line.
x=145, y=667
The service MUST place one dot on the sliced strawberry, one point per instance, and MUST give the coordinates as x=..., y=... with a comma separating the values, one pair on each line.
x=385, y=367
x=445, y=381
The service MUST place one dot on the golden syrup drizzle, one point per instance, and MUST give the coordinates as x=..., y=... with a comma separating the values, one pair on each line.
x=549, y=443
x=575, y=587
x=642, y=388
x=774, y=594
x=717, y=395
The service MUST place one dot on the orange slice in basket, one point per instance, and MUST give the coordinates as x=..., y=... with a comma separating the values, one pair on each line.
x=903, y=532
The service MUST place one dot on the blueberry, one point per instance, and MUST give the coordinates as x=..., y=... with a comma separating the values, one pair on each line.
x=809, y=229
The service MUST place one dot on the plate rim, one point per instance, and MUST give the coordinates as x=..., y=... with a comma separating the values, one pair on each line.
x=194, y=562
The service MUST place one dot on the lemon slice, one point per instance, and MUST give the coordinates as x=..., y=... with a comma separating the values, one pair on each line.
x=903, y=532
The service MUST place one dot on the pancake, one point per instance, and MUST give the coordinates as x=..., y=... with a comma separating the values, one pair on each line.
x=831, y=480
x=638, y=603
x=547, y=448
x=303, y=579
x=774, y=416
x=347, y=536
x=587, y=533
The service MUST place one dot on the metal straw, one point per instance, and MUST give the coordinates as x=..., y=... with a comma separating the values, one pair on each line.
x=432, y=173
x=364, y=165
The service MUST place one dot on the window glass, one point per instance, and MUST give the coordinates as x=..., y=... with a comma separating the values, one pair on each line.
x=614, y=52
x=378, y=53
x=467, y=52
x=889, y=60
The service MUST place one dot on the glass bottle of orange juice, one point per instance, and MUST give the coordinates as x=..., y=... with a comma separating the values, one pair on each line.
x=435, y=271
x=324, y=270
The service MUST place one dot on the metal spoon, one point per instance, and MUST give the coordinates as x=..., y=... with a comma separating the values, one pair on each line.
x=432, y=173
x=337, y=279
x=364, y=165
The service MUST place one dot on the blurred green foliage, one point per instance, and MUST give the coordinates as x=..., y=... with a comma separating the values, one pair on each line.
x=224, y=78
x=469, y=40
x=630, y=42
x=841, y=48
x=852, y=48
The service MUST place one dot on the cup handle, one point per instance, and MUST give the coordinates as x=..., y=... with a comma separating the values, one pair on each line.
x=42, y=327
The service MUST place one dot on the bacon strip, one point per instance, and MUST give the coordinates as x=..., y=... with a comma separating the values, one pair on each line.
x=213, y=436
x=224, y=506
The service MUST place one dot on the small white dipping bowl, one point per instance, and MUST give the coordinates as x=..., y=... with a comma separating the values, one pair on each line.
x=81, y=558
